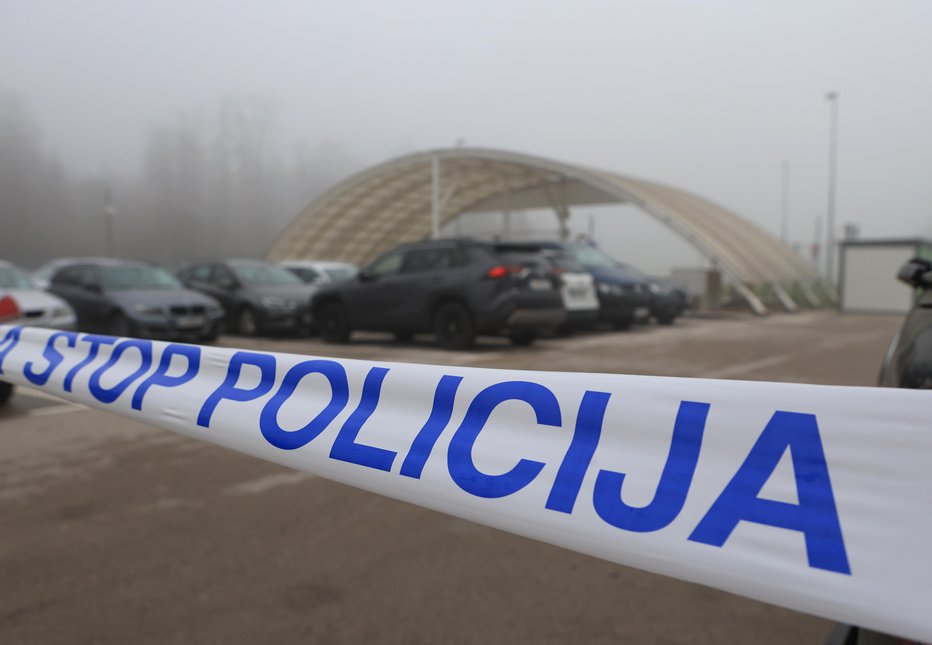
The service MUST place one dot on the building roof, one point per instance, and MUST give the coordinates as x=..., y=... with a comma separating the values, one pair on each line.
x=393, y=202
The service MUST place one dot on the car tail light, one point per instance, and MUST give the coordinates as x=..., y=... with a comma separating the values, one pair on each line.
x=9, y=310
x=503, y=270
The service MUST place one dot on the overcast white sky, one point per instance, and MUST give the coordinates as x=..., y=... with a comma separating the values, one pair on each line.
x=709, y=96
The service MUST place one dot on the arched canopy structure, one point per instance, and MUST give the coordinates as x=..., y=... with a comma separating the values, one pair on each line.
x=411, y=197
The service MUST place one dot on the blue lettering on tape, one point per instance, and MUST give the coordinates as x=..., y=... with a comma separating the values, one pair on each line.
x=95, y=342
x=8, y=343
x=674, y=483
x=191, y=353
x=578, y=456
x=459, y=457
x=816, y=516
x=228, y=390
x=51, y=355
x=111, y=394
x=345, y=447
x=440, y=413
x=339, y=396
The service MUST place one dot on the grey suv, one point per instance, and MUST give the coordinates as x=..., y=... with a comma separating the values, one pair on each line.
x=457, y=289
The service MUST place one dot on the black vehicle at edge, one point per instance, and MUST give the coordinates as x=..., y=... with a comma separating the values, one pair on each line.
x=258, y=297
x=455, y=288
x=908, y=362
x=128, y=298
x=624, y=297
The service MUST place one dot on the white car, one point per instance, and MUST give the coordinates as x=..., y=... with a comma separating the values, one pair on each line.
x=312, y=272
x=22, y=303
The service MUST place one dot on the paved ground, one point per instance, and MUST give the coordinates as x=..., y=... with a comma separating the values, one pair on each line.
x=114, y=532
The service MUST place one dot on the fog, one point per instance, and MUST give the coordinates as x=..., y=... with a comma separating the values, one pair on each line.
x=205, y=127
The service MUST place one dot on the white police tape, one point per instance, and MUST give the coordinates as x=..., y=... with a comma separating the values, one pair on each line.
x=816, y=498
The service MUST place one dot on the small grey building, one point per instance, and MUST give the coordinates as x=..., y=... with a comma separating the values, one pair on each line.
x=868, y=274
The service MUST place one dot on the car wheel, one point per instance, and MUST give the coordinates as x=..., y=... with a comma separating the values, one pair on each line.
x=665, y=320
x=246, y=322
x=333, y=323
x=522, y=338
x=622, y=324
x=120, y=325
x=453, y=326
x=6, y=391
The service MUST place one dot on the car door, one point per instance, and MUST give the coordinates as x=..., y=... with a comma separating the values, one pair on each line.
x=98, y=305
x=79, y=286
x=377, y=299
x=429, y=274
x=225, y=287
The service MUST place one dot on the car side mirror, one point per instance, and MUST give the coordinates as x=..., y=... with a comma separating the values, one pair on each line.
x=916, y=273
x=91, y=287
x=227, y=285
x=365, y=275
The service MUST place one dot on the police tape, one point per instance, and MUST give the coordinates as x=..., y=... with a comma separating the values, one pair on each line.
x=816, y=498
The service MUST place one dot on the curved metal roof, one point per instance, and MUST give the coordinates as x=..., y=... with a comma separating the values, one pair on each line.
x=393, y=202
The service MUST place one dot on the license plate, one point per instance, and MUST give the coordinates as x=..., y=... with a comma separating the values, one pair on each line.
x=541, y=284
x=187, y=322
x=642, y=312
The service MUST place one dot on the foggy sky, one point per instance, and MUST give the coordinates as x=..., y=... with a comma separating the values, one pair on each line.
x=710, y=96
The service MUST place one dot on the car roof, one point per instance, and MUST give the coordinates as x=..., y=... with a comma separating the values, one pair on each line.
x=108, y=262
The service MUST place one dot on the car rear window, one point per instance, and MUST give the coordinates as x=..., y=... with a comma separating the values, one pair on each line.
x=126, y=278
x=11, y=278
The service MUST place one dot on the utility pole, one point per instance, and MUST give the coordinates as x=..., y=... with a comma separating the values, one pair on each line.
x=109, y=213
x=832, y=98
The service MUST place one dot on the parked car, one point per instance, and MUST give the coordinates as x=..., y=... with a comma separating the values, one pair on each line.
x=257, y=297
x=577, y=285
x=22, y=303
x=127, y=298
x=457, y=289
x=667, y=303
x=624, y=297
x=42, y=277
x=320, y=273
x=908, y=362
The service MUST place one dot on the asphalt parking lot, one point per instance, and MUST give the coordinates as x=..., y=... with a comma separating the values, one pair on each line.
x=115, y=532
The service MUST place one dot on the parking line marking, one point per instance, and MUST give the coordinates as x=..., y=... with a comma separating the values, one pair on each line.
x=744, y=368
x=55, y=409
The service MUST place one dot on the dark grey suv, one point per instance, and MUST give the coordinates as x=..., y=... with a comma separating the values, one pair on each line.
x=457, y=289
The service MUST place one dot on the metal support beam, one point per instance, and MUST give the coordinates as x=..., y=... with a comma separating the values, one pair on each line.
x=810, y=295
x=434, y=197
x=788, y=303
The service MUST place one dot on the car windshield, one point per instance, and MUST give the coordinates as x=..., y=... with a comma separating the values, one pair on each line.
x=340, y=273
x=125, y=278
x=591, y=256
x=11, y=278
x=259, y=273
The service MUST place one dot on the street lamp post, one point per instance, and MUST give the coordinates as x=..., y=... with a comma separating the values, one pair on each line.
x=832, y=98
x=109, y=213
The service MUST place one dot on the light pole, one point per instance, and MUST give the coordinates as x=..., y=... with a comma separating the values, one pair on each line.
x=109, y=212
x=832, y=98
